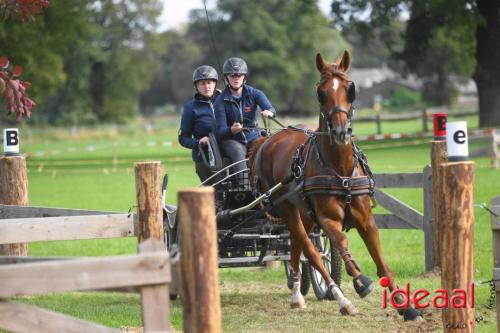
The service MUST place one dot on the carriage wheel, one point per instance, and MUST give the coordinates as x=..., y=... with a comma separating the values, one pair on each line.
x=333, y=263
x=305, y=279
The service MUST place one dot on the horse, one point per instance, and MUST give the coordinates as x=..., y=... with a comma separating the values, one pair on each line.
x=327, y=182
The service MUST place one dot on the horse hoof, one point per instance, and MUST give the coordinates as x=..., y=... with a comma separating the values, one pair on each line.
x=298, y=305
x=349, y=310
x=363, y=285
x=412, y=314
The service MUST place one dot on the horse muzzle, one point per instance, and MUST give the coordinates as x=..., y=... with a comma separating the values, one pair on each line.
x=341, y=135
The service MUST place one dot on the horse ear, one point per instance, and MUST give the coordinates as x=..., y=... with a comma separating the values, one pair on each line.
x=344, y=61
x=320, y=63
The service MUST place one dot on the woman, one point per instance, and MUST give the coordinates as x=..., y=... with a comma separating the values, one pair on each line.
x=236, y=113
x=198, y=116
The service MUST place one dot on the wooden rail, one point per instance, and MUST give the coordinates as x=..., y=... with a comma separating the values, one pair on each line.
x=492, y=142
x=424, y=115
x=150, y=270
x=401, y=215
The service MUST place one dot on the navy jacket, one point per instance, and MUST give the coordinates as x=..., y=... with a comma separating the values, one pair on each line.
x=196, y=122
x=228, y=111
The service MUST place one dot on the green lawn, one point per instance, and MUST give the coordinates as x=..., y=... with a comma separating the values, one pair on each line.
x=70, y=174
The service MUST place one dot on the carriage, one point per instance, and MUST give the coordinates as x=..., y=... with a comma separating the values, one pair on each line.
x=247, y=234
x=323, y=179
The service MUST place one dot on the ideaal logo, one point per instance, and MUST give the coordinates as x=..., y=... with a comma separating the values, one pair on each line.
x=458, y=298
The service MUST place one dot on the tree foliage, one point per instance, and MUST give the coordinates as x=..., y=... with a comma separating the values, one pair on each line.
x=88, y=60
x=443, y=39
x=278, y=39
x=12, y=89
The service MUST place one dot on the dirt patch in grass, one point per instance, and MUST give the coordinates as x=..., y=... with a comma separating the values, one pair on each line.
x=264, y=307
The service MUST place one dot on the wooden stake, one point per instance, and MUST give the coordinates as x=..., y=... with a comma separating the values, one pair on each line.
x=14, y=191
x=458, y=240
x=149, y=205
x=198, y=267
x=438, y=156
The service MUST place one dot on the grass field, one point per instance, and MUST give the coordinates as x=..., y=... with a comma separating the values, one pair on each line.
x=95, y=170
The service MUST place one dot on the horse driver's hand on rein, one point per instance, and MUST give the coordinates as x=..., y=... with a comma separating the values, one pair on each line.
x=267, y=114
x=236, y=128
x=203, y=141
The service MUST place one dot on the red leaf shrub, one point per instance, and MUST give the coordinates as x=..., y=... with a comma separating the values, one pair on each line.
x=13, y=91
x=24, y=10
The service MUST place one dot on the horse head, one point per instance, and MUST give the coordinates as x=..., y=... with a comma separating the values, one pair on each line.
x=336, y=93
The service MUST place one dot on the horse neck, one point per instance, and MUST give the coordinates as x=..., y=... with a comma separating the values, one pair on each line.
x=337, y=157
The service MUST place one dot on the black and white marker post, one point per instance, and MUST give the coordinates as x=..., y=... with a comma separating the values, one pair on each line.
x=13, y=183
x=457, y=141
x=10, y=142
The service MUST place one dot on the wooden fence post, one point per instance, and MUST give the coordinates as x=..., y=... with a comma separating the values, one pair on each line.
x=155, y=300
x=427, y=223
x=198, y=268
x=438, y=156
x=495, y=226
x=13, y=191
x=379, y=123
x=425, y=126
x=495, y=153
x=457, y=247
x=149, y=205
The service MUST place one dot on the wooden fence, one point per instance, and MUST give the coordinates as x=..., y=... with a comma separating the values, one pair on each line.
x=150, y=270
x=401, y=215
x=424, y=115
x=491, y=140
x=495, y=226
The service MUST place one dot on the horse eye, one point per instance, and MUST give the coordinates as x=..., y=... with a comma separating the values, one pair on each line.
x=321, y=96
x=351, y=93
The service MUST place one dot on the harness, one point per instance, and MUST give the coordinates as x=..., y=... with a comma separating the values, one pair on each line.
x=330, y=182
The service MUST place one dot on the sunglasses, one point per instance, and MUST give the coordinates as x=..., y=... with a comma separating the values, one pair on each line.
x=236, y=75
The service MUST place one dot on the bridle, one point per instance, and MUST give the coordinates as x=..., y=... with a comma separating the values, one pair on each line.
x=327, y=117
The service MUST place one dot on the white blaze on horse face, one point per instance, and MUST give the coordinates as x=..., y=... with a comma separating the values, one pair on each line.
x=335, y=84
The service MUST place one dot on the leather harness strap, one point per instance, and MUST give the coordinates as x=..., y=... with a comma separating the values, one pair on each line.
x=331, y=183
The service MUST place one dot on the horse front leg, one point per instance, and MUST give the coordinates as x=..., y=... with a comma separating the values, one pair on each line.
x=291, y=216
x=298, y=300
x=369, y=233
x=345, y=306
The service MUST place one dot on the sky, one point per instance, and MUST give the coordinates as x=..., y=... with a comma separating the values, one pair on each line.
x=175, y=12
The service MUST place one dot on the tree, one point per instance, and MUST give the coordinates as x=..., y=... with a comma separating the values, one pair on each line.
x=172, y=83
x=378, y=45
x=12, y=90
x=279, y=40
x=442, y=38
x=88, y=60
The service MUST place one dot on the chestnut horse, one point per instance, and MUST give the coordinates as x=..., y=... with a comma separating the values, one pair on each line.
x=326, y=182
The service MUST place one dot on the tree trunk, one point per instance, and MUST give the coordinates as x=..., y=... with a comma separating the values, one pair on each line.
x=487, y=75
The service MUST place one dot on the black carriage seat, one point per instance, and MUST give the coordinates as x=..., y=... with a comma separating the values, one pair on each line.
x=212, y=155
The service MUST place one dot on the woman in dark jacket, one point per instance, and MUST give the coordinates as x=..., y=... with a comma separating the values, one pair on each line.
x=236, y=113
x=198, y=116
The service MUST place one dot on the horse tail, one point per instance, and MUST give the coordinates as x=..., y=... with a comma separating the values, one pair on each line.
x=252, y=161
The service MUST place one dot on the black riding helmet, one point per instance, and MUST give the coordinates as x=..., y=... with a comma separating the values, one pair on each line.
x=205, y=72
x=234, y=65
